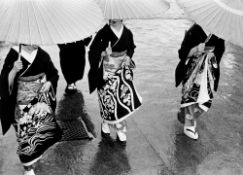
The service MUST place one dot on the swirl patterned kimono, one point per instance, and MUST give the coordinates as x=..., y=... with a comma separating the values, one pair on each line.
x=29, y=110
x=199, y=71
x=118, y=97
x=111, y=72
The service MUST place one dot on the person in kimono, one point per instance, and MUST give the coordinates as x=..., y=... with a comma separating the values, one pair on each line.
x=198, y=71
x=111, y=73
x=72, y=62
x=28, y=84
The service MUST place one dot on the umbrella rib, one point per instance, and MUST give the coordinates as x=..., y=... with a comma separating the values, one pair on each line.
x=133, y=9
x=135, y=13
x=105, y=8
x=3, y=11
x=48, y=21
x=92, y=13
x=43, y=19
x=88, y=20
x=209, y=17
x=55, y=17
x=201, y=8
x=56, y=28
x=9, y=29
x=128, y=7
x=29, y=26
x=217, y=13
x=77, y=22
x=66, y=24
x=216, y=17
x=227, y=8
x=19, y=28
x=147, y=11
x=119, y=9
x=38, y=25
x=238, y=32
x=210, y=20
x=112, y=13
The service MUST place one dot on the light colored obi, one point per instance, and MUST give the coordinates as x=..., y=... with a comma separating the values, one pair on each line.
x=114, y=62
x=29, y=87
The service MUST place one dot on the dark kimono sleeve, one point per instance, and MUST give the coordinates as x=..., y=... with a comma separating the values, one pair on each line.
x=183, y=52
x=7, y=67
x=95, y=50
x=51, y=71
x=219, y=51
x=185, y=46
x=131, y=45
x=7, y=104
x=95, y=73
x=194, y=36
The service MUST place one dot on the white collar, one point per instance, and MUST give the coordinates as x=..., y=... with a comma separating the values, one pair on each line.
x=117, y=33
x=28, y=56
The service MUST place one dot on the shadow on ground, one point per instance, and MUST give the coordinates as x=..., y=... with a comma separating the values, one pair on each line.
x=111, y=158
x=73, y=118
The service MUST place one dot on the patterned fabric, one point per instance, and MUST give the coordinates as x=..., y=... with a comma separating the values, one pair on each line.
x=199, y=82
x=35, y=132
x=28, y=88
x=118, y=97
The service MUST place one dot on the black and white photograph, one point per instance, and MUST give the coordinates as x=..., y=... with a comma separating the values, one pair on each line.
x=121, y=87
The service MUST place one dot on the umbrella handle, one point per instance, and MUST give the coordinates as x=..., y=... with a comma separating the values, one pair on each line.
x=19, y=54
x=109, y=49
x=208, y=38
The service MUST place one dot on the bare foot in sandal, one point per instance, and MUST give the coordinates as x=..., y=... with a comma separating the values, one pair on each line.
x=190, y=131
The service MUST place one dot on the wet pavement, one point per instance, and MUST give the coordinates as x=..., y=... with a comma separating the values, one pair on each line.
x=156, y=143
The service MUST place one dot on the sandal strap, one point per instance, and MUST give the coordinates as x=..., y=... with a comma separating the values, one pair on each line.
x=193, y=131
x=71, y=86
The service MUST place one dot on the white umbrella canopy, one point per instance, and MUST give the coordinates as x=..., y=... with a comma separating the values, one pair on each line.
x=133, y=9
x=223, y=18
x=46, y=22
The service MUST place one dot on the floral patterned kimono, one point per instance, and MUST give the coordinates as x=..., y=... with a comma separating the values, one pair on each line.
x=35, y=132
x=198, y=88
x=199, y=74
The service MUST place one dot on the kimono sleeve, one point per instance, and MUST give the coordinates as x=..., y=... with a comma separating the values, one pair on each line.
x=185, y=46
x=7, y=101
x=96, y=47
x=219, y=51
x=51, y=71
x=95, y=73
x=7, y=67
x=132, y=46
